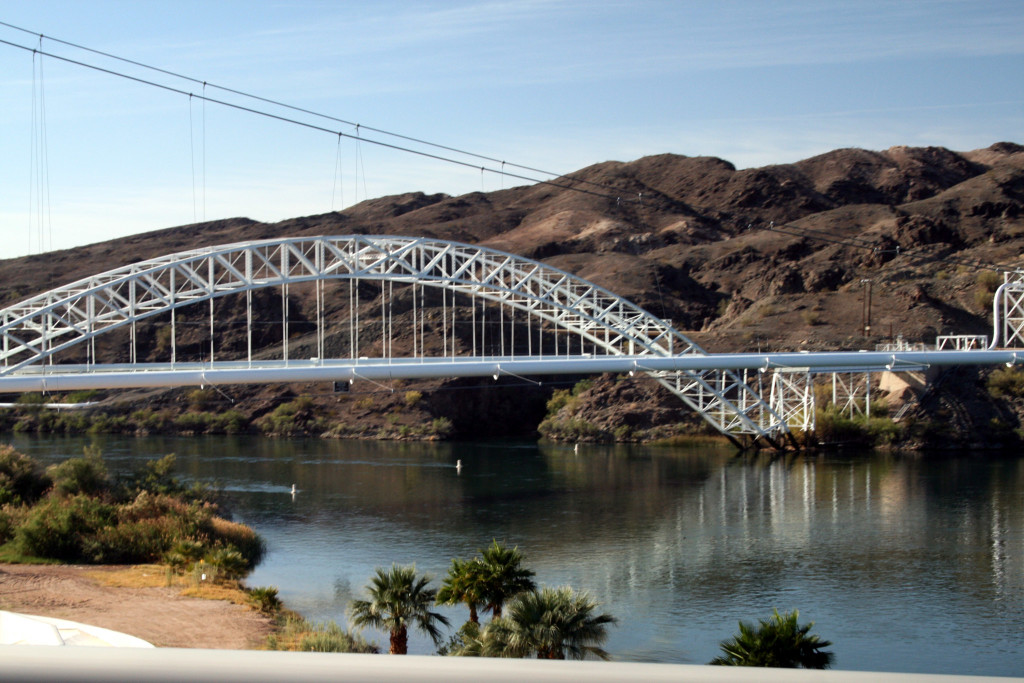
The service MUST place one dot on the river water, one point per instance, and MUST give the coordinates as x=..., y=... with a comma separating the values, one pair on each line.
x=906, y=563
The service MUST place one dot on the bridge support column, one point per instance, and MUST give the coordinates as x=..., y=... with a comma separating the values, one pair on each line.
x=1009, y=310
x=792, y=397
x=851, y=393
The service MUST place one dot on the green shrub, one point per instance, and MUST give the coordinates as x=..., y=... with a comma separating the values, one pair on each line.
x=86, y=475
x=191, y=550
x=184, y=554
x=22, y=481
x=882, y=431
x=238, y=537
x=82, y=396
x=571, y=429
x=144, y=518
x=559, y=399
x=228, y=562
x=441, y=426
x=335, y=640
x=295, y=633
x=1006, y=383
x=412, y=398
x=988, y=283
x=196, y=423
x=59, y=528
x=264, y=599
x=31, y=401
x=6, y=525
x=128, y=542
x=989, y=280
x=230, y=422
x=72, y=423
x=291, y=418
x=202, y=399
x=834, y=427
x=812, y=318
x=156, y=476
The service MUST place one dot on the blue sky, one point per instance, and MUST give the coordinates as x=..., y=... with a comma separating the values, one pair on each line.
x=551, y=84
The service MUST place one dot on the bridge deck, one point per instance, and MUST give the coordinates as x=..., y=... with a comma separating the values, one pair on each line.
x=122, y=376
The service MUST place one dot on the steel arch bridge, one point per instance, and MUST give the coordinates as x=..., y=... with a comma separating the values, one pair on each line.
x=36, y=329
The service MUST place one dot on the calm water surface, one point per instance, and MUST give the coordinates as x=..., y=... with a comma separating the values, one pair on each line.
x=905, y=563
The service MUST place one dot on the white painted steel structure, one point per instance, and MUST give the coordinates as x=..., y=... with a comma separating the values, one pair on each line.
x=36, y=329
x=602, y=332
x=72, y=378
x=1008, y=311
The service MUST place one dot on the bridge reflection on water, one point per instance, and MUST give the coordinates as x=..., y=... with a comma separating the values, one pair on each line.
x=907, y=563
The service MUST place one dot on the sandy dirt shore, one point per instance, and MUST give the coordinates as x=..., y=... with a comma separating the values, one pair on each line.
x=161, y=615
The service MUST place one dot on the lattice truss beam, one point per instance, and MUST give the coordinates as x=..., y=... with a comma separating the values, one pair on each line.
x=792, y=397
x=37, y=328
x=1010, y=308
x=851, y=393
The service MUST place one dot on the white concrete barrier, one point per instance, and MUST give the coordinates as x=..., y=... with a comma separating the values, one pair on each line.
x=28, y=629
x=110, y=665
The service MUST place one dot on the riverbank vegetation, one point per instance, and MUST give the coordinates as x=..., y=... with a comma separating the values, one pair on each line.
x=77, y=512
x=776, y=642
x=548, y=623
x=961, y=408
x=202, y=414
x=296, y=633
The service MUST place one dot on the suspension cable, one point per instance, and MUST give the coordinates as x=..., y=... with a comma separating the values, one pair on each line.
x=500, y=171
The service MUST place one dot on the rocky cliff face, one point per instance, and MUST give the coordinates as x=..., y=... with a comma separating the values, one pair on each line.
x=780, y=257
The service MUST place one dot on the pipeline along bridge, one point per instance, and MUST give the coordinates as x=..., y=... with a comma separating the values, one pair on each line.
x=389, y=308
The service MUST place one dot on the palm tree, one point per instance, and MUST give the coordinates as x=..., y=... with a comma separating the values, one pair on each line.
x=399, y=599
x=466, y=582
x=552, y=623
x=504, y=576
x=777, y=642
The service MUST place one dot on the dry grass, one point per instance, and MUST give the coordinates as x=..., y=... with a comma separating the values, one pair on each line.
x=134, y=576
x=213, y=591
x=158, y=576
x=690, y=440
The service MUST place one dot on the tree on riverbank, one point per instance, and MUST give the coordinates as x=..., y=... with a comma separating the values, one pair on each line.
x=550, y=623
x=778, y=641
x=465, y=583
x=504, y=576
x=399, y=599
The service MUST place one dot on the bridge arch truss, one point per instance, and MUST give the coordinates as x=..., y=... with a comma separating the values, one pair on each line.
x=36, y=329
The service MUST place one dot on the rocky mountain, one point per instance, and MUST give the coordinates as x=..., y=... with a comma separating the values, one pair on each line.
x=780, y=257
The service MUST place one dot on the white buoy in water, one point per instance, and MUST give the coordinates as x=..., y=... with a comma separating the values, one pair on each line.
x=294, y=491
x=576, y=449
x=458, y=465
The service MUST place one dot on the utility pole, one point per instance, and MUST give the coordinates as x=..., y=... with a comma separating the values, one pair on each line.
x=866, y=308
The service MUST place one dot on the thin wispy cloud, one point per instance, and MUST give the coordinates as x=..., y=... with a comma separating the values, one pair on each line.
x=557, y=84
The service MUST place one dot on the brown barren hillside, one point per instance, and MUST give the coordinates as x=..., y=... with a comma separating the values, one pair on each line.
x=779, y=257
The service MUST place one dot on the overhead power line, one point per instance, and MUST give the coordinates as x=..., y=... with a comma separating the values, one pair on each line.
x=326, y=117
x=312, y=126
x=612, y=194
